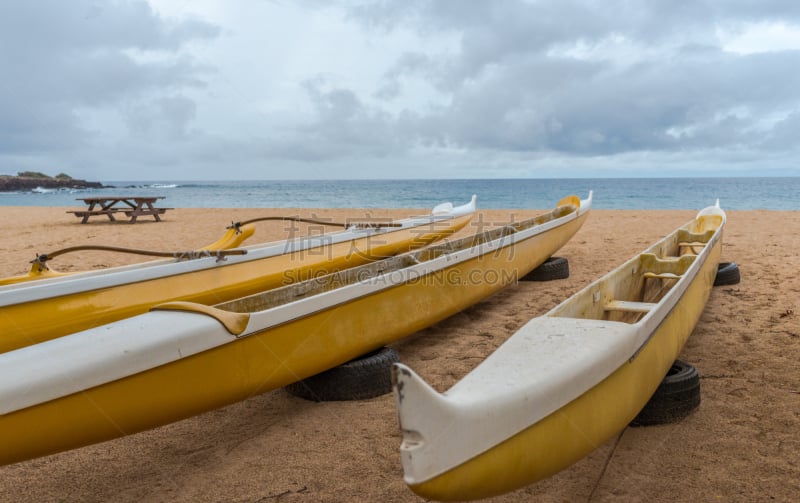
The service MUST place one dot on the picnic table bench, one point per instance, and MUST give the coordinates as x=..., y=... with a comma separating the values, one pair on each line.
x=132, y=206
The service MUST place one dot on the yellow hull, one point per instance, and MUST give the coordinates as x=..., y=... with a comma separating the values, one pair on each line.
x=568, y=435
x=268, y=358
x=40, y=320
x=564, y=383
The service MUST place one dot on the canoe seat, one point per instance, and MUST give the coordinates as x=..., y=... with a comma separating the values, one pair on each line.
x=653, y=266
x=696, y=239
x=666, y=275
x=629, y=306
x=693, y=244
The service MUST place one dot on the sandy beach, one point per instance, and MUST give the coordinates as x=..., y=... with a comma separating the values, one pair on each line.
x=741, y=444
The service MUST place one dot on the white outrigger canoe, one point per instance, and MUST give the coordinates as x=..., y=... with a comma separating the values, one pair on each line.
x=184, y=358
x=564, y=383
x=43, y=305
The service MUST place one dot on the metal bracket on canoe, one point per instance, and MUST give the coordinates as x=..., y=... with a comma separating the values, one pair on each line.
x=373, y=225
x=196, y=254
x=40, y=262
x=237, y=226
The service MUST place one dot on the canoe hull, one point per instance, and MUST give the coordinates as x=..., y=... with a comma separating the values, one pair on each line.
x=565, y=382
x=22, y=324
x=267, y=359
x=566, y=436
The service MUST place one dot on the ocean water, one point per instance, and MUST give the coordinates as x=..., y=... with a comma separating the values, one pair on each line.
x=629, y=193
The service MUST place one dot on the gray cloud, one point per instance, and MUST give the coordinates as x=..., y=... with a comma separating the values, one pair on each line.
x=64, y=60
x=504, y=85
x=511, y=91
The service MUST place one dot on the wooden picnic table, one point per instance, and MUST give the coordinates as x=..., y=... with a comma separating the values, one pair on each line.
x=132, y=206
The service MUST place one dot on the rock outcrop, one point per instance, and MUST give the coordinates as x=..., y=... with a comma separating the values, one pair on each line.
x=22, y=183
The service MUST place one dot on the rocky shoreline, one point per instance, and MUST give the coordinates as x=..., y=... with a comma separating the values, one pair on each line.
x=9, y=183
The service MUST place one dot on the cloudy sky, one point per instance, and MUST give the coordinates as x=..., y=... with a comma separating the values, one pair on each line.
x=257, y=89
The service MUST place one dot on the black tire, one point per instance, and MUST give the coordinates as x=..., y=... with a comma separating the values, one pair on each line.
x=552, y=268
x=675, y=398
x=727, y=274
x=365, y=377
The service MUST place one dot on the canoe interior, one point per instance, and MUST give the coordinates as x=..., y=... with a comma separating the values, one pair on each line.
x=296, y=291
x=629, y=292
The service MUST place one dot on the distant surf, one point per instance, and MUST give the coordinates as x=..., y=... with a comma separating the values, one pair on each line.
x=609, y=193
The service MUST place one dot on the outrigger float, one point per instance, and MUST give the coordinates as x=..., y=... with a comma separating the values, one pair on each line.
x=183, y=358
x=564, y=383
x=44, y=304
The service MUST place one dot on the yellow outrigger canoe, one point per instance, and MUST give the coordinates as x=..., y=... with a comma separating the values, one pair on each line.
x=567, y=381
x=184, y=358
x=41, y=309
